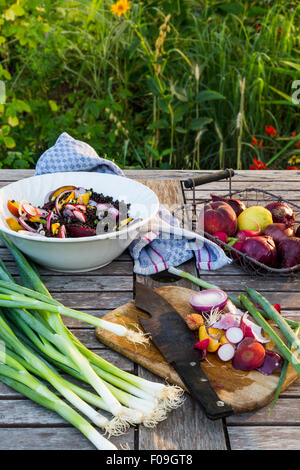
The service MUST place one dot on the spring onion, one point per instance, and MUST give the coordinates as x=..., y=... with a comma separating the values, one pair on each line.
x=273, y=314
x=258, y=317
x=61, y=408
x=200, y=282
x=34, y=333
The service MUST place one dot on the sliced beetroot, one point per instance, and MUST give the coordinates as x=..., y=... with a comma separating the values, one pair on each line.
x=234, y=334
x=77, y=231
x=271, y=363
x=226, y=352
x=249, y=355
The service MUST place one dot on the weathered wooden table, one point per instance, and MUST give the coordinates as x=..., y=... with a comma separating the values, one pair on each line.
x=25, y=425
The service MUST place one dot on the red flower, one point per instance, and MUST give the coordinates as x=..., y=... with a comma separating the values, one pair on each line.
x=297, y=144
x=258, y=28
x=255, y=142
x=291, y=168
x=258, y=165
x=271, y=131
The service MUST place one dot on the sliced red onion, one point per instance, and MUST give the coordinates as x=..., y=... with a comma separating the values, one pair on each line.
x=26, y=226
x=58, y=199
x=79, y=215
x=272, y=362
x=49, y=221
x=207, y=300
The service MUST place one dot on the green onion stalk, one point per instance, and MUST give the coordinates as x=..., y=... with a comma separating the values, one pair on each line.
x=26, y=324
x=200, y=282
x=286, y=352
x=12, y=342
x=13, y=374
x=37, y=297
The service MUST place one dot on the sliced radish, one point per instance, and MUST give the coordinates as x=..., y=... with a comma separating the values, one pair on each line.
x=29, y=209
x=79, y=215
x=70, y=207
x=234, y=334
x=226, y=352
x=114, y=212
x=81, y=207
x=101, y=209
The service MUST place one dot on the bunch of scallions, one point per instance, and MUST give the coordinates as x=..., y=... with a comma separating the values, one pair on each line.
x=36, y=347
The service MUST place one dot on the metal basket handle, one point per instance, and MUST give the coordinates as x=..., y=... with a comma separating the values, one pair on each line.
x=208, y=178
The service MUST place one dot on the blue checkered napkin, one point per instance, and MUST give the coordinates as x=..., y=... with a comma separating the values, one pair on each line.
x=163, y=243
x=68, y=154
x=159, y=245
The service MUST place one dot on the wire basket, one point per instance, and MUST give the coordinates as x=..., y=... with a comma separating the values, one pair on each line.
x=189, y=214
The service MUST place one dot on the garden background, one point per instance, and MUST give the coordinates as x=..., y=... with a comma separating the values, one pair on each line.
x=158, y=84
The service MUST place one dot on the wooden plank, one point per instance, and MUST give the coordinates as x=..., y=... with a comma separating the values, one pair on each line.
x=286, y=411
x=186, y=428
x=264, y=437
x=170, y=434
x=54, y=438
x=86, y=300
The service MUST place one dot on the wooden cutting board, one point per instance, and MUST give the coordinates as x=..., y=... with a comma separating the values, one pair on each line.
x=244, y=391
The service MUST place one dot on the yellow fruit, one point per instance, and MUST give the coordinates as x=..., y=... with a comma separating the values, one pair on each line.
x=13, y=224
x=215, y=332
x=252, y=216
x=223, y=339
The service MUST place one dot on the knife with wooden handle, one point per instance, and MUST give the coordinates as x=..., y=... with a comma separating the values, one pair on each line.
x=175, y=341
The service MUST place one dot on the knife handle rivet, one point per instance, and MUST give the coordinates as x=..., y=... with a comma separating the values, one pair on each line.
x=220, y=403
x=193, y=364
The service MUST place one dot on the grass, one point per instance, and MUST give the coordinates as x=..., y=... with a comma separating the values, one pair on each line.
x=183, y=84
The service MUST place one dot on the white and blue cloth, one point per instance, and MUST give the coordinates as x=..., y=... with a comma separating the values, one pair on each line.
x=162, y=243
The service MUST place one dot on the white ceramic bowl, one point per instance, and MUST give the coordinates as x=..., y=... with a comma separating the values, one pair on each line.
x=78, y=254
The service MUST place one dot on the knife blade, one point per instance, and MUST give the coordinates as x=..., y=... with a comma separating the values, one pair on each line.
x=175, y=341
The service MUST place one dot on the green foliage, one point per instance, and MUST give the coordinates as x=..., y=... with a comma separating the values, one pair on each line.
x=173, y=84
